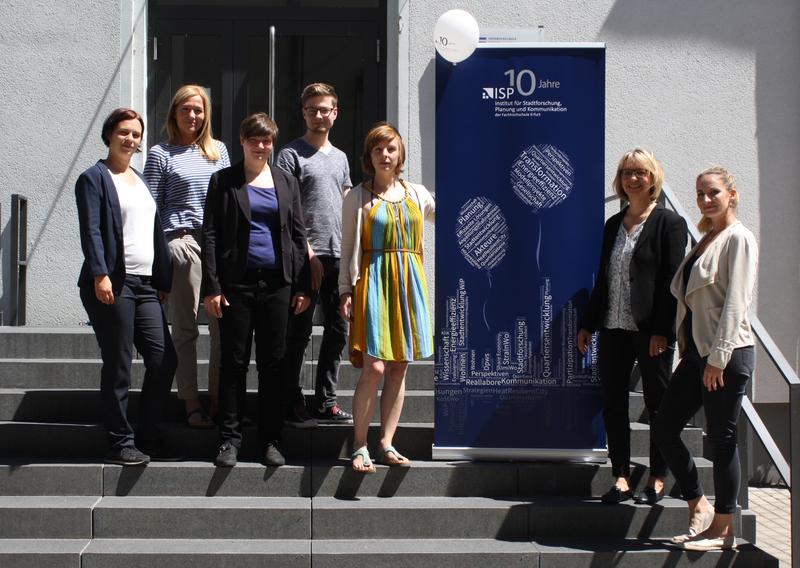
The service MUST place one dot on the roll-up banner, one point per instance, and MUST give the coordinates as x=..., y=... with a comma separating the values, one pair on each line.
x=520, y=133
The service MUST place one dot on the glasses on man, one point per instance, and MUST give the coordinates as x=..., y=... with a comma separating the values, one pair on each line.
x=323, y=111
x=631, y=173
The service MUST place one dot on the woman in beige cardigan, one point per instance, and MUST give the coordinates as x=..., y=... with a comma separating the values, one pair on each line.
x=714, y=287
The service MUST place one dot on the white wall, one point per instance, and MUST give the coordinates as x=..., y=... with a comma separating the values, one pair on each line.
x=60, y=67
x=696, y=82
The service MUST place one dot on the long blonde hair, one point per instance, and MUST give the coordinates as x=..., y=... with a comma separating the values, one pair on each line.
x=705, y=225
x=205, y=138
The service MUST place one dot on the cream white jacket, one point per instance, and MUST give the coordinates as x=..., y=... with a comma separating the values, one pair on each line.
x=352, y=214
x=719, y=293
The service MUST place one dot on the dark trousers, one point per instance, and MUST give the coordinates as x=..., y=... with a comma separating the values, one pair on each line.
x=684, y=397
x=136, y=318
x=260, y=305
x=334, y=338
x=618, y=350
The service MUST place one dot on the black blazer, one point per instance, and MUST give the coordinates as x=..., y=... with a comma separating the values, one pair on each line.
x=226, y=231
x=100, y=220
x=658, y=252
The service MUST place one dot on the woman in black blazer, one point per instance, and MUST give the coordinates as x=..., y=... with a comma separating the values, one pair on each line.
x=632, y=307
x=255, y=268
x=125, y=276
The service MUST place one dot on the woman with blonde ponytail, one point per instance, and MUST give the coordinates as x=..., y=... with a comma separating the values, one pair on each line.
x=714, y=287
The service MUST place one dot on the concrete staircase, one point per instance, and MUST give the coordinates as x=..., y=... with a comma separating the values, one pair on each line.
x=61, y=506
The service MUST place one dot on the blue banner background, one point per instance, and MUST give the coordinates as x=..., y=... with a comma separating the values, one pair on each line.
x=519, y=191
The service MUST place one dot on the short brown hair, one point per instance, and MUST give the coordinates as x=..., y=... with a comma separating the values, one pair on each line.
x=259, y=124
x=117, y=116
x=381, y=132
x=318, y=90
x=648, y=162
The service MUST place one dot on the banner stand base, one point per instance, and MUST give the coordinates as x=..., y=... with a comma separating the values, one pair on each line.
x=520, y=454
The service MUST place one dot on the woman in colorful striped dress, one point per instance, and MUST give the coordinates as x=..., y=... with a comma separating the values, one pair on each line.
x=383, y=289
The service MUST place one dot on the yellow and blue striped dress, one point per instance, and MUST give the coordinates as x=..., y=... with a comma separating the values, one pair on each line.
x=391, y=320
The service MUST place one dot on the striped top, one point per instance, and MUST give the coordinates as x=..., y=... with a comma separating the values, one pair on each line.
x=178, y=179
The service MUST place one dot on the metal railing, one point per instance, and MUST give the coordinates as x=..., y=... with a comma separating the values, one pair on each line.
x=789, y=471
x=18, y=254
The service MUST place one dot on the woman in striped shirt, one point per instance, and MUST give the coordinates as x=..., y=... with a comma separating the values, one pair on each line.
x=178, y=172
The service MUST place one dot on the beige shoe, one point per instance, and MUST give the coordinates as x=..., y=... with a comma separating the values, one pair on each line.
x=705, y=544
x=703, y=520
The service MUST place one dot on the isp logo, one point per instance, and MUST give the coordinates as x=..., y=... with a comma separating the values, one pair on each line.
x=500, y=93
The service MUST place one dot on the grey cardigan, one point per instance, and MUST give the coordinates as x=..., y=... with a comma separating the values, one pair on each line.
x=719, y=293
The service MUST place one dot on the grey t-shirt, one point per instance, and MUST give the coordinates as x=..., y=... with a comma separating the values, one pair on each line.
x=323, y=177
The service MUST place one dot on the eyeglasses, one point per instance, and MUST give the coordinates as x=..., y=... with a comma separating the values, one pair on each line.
x=638, y=173
x=323, y=111
x=267, y=141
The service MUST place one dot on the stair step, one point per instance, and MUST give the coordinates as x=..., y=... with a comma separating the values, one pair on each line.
x=328, y=441
x=194, y=553
x=40, y=552
x=424, y=553
x=323, y=478
x=83, y=405
x=503, y=519
x=84, y=373
x=46, y=517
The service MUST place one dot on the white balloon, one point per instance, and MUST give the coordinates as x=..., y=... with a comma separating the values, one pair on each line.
x=455, y=35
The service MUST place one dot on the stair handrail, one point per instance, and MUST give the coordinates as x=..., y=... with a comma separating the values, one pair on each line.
x=789, y=471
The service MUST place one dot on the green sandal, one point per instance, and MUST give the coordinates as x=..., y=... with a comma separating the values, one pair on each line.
x=391, y=449
x=363, y=453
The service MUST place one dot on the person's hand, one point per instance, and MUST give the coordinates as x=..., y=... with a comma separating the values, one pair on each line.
x=163, y=297
x=346, y=306
x=317, y=271
x=213, y=305
x=712, y=377
x=584, y=340
x=300, y=303
x=102, y=289
x=658, y=344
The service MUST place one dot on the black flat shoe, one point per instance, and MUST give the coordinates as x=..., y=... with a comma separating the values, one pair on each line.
x=616, y=495
x=649, y=496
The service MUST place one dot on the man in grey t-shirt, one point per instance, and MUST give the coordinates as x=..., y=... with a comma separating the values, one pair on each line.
x=324, y=176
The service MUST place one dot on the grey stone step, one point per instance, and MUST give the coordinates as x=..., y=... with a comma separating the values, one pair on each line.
x=39, y=553
x=344, y=553
x=503, y=519
x=64, y=373
x=548, y=553
x=83, y=405
x=323, y=478
x=424, y=553
x=195, y=553
x=88, y=441
x=46, y=517
x=203, y=517
x=80, y=343
x=643, y=553
x=21, y=477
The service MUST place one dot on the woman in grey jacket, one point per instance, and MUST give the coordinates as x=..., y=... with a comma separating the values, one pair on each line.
x=714, y=287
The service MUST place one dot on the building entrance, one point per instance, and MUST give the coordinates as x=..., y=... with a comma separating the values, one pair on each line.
x=227, y=49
